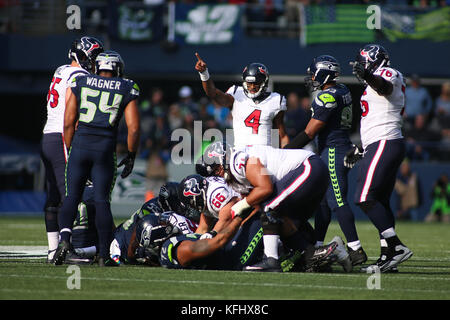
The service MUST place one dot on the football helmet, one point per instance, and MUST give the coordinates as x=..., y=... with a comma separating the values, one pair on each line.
x=150, y=235
x=372, y=57
x=323, y=69
x=109, y=61
x=168, y=198
x=255, y=73
x=192, y=192
x=215, y=155
x=84, y=51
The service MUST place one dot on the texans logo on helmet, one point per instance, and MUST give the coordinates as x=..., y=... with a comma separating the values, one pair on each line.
x=213, y=154
x=262, y=70
x=191, y=188
x=371, y=54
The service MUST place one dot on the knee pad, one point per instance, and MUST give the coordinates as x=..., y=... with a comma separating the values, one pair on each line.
x=271, y=222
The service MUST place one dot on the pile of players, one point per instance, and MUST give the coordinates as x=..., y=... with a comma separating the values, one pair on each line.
x=248, y=207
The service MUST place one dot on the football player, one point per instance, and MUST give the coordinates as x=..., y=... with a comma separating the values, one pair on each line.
x=331, y=123
x=97, y=104
x=383, y=149
x=166, y=207
x=53, y=150
x=234, y=247
x=275, y=181
x=255, y=111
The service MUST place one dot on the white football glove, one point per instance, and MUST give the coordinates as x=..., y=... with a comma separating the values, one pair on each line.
x=208, y=235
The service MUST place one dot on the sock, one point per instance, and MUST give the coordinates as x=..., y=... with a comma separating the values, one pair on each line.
x=354, y=245
x=271, y=245
x=65, y=234
x=388, y=233
x=53, y=240
x=318, y=244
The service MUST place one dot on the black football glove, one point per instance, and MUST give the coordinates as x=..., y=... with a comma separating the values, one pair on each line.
x=352, y=156
x=359, y=71
x=128, y=161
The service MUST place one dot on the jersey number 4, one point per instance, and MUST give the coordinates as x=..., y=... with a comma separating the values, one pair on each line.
x=53, y=93
x=252, y=121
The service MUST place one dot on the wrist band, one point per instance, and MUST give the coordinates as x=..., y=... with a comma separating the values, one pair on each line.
x=204, y=76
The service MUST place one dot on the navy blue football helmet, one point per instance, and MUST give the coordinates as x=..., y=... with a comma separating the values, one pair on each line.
x=192, y=192
x=151, y=232
x=169, y=200
x=255, y=73
x=372, y=57
x=84, y=51
x=323, y=69
x=109, y=61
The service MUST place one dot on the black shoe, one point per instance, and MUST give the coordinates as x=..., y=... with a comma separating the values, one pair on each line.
x=389, y=259
x=267, y=264
x=358, y=256
x=60, y=255
x=318, y=258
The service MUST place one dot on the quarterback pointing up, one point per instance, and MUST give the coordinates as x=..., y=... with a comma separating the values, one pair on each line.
x=255, y=111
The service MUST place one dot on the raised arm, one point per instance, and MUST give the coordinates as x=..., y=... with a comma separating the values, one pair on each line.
x=210, y=89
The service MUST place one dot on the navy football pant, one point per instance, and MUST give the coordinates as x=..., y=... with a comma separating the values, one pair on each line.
x=53, y=156
x=298, y=194
x=101, y=167
x=376, y=179
x=335, y=200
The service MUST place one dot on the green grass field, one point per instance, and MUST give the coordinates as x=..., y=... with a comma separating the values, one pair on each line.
x=425, y=276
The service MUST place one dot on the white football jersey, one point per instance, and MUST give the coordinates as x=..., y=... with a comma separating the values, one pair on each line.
x=278, y=162
x=381, y=117
x=184, y=224
x=218, y=194
x=253, y=122
x=56, y=96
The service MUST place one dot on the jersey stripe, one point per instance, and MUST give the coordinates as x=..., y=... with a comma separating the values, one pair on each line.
x=371, y=171
x=292, y=187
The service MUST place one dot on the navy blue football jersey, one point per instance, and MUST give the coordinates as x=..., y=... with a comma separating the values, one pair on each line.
x=124, y=231
x=245, y=248
x=333, y=106
x=101, y=103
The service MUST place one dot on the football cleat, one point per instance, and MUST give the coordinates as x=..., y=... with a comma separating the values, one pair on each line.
x=60, y=255
x=50, y=255
x=358, y=256
x=389, y=259
x=318, y=258
x=267, y=264
x=107, y=262
x=343, y=257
